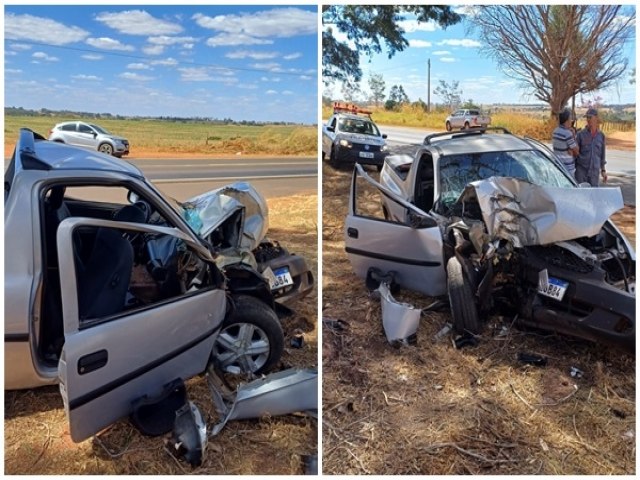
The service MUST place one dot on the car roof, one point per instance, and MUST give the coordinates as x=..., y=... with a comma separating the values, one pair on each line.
x=33, y=152
x=351, y=116
x=479, y=143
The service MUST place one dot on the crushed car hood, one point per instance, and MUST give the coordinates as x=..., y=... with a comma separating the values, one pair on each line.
x=527, y=214
x=210, y=210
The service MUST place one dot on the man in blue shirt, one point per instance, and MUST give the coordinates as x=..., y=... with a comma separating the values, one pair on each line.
x=564, y=144
x=590, y=163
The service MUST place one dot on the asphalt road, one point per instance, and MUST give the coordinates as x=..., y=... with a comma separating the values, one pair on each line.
x=273, y=177
x=621, y=164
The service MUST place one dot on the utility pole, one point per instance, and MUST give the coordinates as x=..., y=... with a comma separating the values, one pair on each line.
x=428, y=85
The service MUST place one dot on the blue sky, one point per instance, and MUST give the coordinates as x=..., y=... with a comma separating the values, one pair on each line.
x=455, y=54
x=241, y=62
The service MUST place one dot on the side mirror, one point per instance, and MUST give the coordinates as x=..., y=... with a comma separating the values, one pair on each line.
x=95, y=134
x=384, y=135
x=420, y=221
x=132, y=197
x=331, y=129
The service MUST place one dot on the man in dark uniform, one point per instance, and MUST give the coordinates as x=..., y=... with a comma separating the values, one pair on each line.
x=590, y=163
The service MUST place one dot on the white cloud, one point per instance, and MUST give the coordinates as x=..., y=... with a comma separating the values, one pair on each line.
x=235, y=39
x=107, y=43
x=135, y=77
x=442, y=52
x=464, y=42
x=447, y=59
x=81, y=76
x=305, y=77
x=138, y=66
x=194, y=74
x=167, y=62
x=168, y=41
x=44, y=56
x=411, y=26
x=241, y=54
x=277, y=22
x=153, y=49
x=248, y=86
x=9, y=53
x=271, y=66
x=91, y=56
x=138, y=22
x=19, y=46
x=188, y=46
x=292, y=56
x=419, y=43
x=12, y=70
x=40, y=29
x=271, y=92
x=287, y=92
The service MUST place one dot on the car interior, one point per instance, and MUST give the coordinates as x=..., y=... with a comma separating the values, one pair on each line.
x=424, y=183
x=117, y=270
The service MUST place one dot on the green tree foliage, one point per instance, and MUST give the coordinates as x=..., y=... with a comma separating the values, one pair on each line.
x=368, y=28
x=450, y=94
x=377, y=87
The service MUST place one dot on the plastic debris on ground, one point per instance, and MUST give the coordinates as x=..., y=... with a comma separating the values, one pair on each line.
x=400, y=320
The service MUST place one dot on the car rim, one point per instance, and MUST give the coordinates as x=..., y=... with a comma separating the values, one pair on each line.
x=241, y=348
x=105, y=149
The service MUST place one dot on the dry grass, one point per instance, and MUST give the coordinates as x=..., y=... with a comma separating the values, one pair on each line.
x=37, y=439
x=171, y=137
x=433, y=409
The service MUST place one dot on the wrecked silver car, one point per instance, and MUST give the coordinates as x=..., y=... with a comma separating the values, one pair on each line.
x=114, y=292
x=494, y=221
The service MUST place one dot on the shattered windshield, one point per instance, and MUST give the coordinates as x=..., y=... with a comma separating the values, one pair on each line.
x=457, y=171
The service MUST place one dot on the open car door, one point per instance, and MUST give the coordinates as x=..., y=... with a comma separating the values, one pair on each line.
x=116, y=352
x=414, y=253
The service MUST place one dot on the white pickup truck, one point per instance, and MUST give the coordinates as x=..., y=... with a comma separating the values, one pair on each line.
x=466, y=118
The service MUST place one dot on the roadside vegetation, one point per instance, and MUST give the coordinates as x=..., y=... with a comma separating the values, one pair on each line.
x=179, y=136
x=535, y=125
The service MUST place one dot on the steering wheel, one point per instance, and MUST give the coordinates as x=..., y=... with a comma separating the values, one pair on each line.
x=145, y=208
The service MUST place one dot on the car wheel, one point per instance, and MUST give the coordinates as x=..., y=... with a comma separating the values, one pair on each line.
x=466, y=126
x=251, y=339
x=105, y=148
x=333, y=160
x=448, y=126
x=463, y=306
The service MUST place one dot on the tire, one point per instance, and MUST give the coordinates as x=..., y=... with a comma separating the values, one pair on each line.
x=105, y=148
x=448, y=126
x=333, y=161
x=466, y=126
x=463, y=306
x=251, y=324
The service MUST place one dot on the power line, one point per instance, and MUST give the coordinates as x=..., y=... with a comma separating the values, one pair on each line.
x=150, y=59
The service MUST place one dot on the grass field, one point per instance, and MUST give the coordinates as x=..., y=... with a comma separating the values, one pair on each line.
x=187, y=137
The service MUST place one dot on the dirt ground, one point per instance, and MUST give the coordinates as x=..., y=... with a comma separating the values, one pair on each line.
x=36, y=435
x=434, y=409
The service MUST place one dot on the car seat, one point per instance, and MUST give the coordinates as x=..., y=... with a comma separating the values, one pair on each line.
x=104, y=279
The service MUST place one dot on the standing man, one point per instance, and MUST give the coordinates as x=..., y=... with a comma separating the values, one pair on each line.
x=564, y=144
x=590, y=163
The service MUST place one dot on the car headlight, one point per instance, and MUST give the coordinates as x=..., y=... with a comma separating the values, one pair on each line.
x=345, y=143
x=384, y=148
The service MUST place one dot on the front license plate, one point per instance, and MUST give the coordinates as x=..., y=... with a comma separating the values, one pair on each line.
x=555, y=288
x=281, y=277
x=366, y=155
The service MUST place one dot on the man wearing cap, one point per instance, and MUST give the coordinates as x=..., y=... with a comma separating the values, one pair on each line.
x=590, y=163
x=564, y=144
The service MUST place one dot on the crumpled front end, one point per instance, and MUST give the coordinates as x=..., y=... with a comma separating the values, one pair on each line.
x=549, y=255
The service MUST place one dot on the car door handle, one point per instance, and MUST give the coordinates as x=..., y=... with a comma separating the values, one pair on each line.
x=92, y=362
x=352, y=232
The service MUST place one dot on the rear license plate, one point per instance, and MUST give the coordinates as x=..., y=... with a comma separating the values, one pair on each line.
x=366, y=155
x=281, y=277
x=554, y=288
